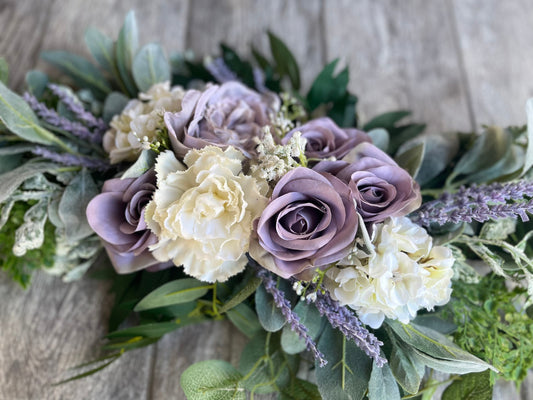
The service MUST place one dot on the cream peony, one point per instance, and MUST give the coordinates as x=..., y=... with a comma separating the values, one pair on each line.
x=139, y=121
x=202, y=215
x=399, y=274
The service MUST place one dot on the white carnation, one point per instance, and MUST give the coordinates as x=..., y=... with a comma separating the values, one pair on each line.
x=137, y=125
x=402, y=274
x=203, y=214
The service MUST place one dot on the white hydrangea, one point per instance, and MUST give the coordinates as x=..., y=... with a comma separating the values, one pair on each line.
x=202, y=213
x=401, y=274
x=135, y=128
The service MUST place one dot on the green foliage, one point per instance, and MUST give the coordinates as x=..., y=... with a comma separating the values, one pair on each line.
x=4, y=70
x=212, y=380
x=382, y=384
x=243, y=69
x=150, y=66
x=475, y=386
x=36, y=82
x=492, y=324
x=270, y=317
x=245, y=319
x=309, y=316
x=285, y=63
x=174, y=292
x=21, y=268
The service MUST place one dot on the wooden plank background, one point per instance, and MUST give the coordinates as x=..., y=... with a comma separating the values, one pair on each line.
x=457, y=63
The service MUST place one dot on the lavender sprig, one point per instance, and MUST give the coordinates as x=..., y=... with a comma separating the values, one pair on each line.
x=220, y=71
x=479, y=203
x=54, y=119
x=349, y=325
x=292, y=318
x=81, y=114
x=71, y=159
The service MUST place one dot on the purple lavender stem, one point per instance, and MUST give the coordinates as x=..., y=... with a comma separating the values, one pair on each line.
x=345, y=321
x=479, y=203
x=71, y=159
x=81, y=114
x=292, y=318
x=54, y=119
x=220, y=71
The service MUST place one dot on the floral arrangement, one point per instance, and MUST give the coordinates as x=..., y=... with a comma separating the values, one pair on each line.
x=218, y=189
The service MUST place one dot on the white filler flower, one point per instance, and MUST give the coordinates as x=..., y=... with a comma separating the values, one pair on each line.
x=203, y=215
x=402, y=274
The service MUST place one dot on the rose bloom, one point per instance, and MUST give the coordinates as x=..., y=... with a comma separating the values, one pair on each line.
x=202, y=214
x=325, y=139
x=309, y=222
x=227, y=115
x=403, y=274
x=117, y=216
x=380, y=187
x=139, y=120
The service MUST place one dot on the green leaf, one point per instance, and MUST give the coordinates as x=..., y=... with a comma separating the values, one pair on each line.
x=125, y=49
x=470, y=387
x=492, y=259
x=151, y=330
x=407, y=370
x=299, y=389
x=249, y=289
x=382, y=384
x=133, y=343
x=174, y=292
x=113, y=105
x=309, y=316
x=435, y=345
x=347, y=373
x=244, y=318
x=270, y=316
x=528, y=162
x=285, y=62
x=101, y=48
x=37, y=82
x=411, y=159
x=439, y=153
x=380, y=138
x=386, y=120
x=150, y=66
x=402, y=134
x=4, y=70
x=77, y=195
x=242, y=69
x=145, y=161
x=84, y=74
x=499, y=229
x=21, y=120
x=212, y=380
x=11, y=180
x=432, y=321
x=328, y=88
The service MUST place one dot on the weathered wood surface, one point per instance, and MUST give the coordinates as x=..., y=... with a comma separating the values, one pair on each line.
x=456, y=63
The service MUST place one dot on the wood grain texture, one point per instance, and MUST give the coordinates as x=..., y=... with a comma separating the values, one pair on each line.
x=456, y=63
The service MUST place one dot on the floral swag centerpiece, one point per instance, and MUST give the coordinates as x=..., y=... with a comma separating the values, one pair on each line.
x=219, y=190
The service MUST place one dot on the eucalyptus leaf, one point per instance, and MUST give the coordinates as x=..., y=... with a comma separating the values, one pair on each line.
x=270, y=316
x=150, y=66
x=9, y=162
x=145, y=161
x=212, y=380
x=175, y=292
x=101, y=48
x=114, y=104
x=4, y=70
x=125, y=50
x=386, y=120
x=299, y=389
x=37, y=82
x=380, y=138
x=10, y=181
x=309, y=316
x=82, y=71
x=244, y=318
x=510, y=165
x=411, y=159
x=407, y=369
x=77, y=195
x=475, y=386
x=241, y=295
x=382, y=384
x=439, y=153
x=285, y=62
x=347, y=373
x=21, y=120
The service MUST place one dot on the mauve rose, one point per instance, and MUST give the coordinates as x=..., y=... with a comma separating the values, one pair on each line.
x=310, y=221
x=380, y=187
x=117, y=216
x=229, y=114
x=325, y=139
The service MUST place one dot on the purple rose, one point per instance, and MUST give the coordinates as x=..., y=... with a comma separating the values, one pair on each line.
x=325, y=139
x=380, y=187
x=229, y=114
x=310, y=221
x=117, y=216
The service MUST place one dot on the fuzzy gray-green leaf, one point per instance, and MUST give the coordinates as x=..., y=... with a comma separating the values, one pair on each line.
x=382, y=384
x=150, y=66
x=36, y=81
x=407, y=369
x=101, y=48
x=269, y=315
x=244, y=318
x=4, y=70
x=212, y=380
x=11, y=180
x=113, y=105
x=411, y=158
x=126, y=48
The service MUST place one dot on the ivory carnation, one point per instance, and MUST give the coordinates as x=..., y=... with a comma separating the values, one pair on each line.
x=400, y=274
x=202, y=213
x=138, y=122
